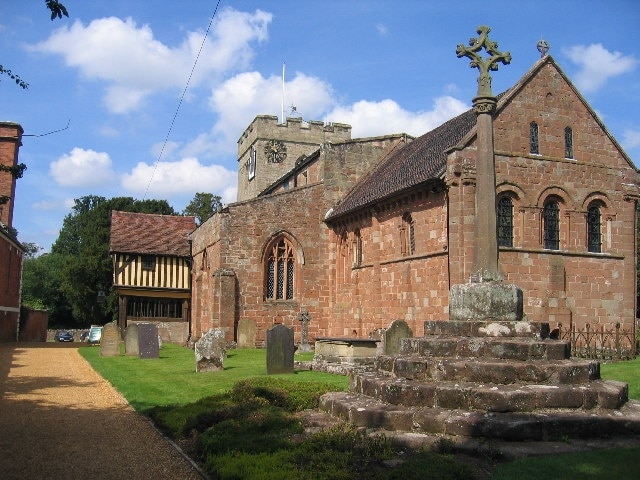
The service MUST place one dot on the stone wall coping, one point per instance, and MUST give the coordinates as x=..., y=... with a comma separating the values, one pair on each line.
x=346, y=340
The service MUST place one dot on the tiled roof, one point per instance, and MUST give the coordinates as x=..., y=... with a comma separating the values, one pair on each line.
x=150, y=233
x=417, y=162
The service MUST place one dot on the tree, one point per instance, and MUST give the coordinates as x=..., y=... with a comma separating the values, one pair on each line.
x=31, y=249
x=57, y=9
x=67, y=281
x=41, y=279
x=203, y=206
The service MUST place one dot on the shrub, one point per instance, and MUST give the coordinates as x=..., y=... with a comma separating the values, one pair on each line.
x=292, y=396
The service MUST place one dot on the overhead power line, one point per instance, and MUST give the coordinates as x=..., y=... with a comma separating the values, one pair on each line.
x=184, y=92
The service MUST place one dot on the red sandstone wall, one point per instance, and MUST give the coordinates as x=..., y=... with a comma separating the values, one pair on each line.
x=391, y=284
x=570, y=285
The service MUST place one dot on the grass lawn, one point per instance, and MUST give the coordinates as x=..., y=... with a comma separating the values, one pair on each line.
x=627, y=371
x=170, y=391
x=172, y=378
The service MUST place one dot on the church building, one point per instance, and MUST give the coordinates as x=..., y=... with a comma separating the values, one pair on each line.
x=357, y=233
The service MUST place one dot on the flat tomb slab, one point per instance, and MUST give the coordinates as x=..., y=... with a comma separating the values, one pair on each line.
x=345, y=349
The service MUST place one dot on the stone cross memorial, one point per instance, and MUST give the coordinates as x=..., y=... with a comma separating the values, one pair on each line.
x=305, y=318
x=485, y=297
x=280, y=350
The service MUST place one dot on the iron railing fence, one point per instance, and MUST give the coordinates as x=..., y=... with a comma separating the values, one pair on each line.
x=601, y=342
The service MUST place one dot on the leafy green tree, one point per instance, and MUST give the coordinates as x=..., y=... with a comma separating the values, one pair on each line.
x=31, y=249
x=203, y=206
x=41, y=278
x=57, y=9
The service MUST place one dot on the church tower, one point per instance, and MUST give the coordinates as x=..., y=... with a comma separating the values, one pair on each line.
x=267, y=149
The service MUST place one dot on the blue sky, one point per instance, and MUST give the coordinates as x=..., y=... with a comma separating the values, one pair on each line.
x=116, y=71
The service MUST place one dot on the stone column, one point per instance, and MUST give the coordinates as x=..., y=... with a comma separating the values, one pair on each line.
x=485, y=297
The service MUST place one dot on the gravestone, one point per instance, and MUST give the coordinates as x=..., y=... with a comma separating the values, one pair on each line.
x=110, y=341
x=210, y=351
x=131, y=345
x=392, y=336
x=148, y=343
x=246, y=333
x=280, y=350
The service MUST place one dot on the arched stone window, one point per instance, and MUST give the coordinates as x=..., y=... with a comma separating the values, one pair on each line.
x=551, y=224
x=407, y=233
x=568, y=142
x=534, y=146
x=505, y=221
x=280, y=270
x=594, y=228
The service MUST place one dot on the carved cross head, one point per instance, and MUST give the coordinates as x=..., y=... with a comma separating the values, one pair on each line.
x=484, y=65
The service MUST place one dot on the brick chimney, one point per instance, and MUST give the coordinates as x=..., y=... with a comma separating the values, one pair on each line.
x=10, y=141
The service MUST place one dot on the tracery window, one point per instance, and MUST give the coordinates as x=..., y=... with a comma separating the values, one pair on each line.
x=407, y=231
x=533, y=138
x=568, y=142
x=594, y=228
x=505, y=221
x=280, y=271
x=551, y=224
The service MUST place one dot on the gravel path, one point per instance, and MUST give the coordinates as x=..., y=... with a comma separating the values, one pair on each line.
x=59, y=419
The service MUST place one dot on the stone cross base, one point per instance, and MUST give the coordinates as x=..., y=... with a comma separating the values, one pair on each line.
x=495, y=301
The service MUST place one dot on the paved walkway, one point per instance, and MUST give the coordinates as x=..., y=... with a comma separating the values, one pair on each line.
x=59, y=419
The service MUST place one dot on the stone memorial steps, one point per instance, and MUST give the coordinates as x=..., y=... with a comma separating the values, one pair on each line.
x=488, y=370
x=555, y=424
x=486, y=328
x=490, y=397
x=508, y=348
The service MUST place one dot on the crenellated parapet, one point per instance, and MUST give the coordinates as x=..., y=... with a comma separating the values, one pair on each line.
x=267, y=149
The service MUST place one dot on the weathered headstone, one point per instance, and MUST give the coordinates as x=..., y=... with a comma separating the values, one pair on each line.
x=280, y=350
x=210, y=351
x=131, y=345
x=110, y=341
x=148, y=340
x=246, y=333
x=392, y=336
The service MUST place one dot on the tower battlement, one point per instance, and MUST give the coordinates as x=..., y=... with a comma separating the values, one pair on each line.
x=268, y=149
x=293, y=130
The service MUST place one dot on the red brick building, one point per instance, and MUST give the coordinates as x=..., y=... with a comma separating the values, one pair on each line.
x=11, y=251
x=361, y=232
x=151, y=271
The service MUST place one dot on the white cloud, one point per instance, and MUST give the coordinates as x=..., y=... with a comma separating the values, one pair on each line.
x=630, y=139
x=597, y=65
x=186, y=176
x=382, y=29
x=239, y=99
x=163, y=150
x=82, y=168
x=135, y=65
x=50, y=205
x=381, y=118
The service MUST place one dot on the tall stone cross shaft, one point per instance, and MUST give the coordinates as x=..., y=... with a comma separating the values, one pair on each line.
x=485, y=260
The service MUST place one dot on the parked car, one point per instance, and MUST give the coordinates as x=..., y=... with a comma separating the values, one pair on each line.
x=95, y=335
x=64, y=336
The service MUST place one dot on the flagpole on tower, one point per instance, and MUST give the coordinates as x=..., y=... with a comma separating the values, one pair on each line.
x=282, y=117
